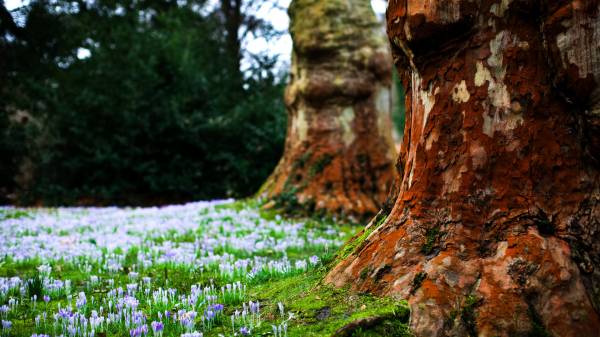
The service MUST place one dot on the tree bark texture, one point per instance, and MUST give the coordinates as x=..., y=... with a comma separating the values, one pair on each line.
x=495, y=226
x=339, y=152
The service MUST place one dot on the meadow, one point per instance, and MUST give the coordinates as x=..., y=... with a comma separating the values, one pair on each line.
x=219, y=268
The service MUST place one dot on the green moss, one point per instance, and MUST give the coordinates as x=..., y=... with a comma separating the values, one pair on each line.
x=390, y=324
x=306, y=296
x=364, y=273
x=320, y=165
x=359, y=241
x=468, y=314
x=417, y=281
x=333, y=24
x=389, y=327
x=432, y=237
x=301, y=161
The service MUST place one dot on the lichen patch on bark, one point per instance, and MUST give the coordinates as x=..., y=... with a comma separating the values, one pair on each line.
x=460, y=93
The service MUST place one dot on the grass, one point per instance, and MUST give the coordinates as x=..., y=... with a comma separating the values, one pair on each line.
x=310, y=308
x=359, y=241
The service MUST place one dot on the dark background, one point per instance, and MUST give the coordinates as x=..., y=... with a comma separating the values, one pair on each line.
x=160, y=111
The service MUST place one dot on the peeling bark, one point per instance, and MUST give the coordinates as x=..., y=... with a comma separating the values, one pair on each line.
x=339, y=112
x=495, y=230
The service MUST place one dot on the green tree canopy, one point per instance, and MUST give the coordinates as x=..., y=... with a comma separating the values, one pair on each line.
x=153, y=114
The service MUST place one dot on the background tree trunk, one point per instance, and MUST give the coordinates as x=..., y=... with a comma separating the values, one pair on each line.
x=495, y=230
x=233, y=21
x=339, y=112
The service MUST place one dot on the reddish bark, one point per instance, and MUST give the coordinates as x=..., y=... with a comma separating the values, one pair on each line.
x=339, y=112
x=495, y=230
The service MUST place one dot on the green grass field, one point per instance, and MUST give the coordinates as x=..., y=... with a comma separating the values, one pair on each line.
x=202, y=269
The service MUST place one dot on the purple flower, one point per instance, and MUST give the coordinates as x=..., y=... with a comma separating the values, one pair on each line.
x=81, y=300
x=139, y=331
x=245, y=331
x=209, y=314
x=130, y=302
x=6, y=325
x=187, y=319
x=254, y=307
x=135, y=332
x=157, y=326
x=46, y=298
x=217, y=307
x=64, y=313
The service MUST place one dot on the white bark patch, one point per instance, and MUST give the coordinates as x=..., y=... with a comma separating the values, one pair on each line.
x=523, y=45
x=501, y=250
x=407, y=31
x=500, y=8
x=497, y=45
x=425, y=97
x=460, y=94
x=500, y=121
x=488, y=126
x=300, y=125
x=497, y=91
x=482, y=75
x=345, y=121
x=410, y=175
x=431, y=138
x=498, y=114
x=579, y=46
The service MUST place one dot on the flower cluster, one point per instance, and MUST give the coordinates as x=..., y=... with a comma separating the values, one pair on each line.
x=128, y=256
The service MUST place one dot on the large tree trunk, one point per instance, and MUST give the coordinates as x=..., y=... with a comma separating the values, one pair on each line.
x=339, y=112
x=495, y=229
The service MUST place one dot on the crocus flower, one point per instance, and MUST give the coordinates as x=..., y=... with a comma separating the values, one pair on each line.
x=254, y=307
x=81, y=300
x=157, y=327
x=244, y=331
x=6, y=325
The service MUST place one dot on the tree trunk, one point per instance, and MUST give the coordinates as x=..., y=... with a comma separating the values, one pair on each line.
x=233, y=20
x=495, y=229
x=339, y=112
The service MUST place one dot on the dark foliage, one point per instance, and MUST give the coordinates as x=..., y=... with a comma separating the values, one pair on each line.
x=151, y=116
